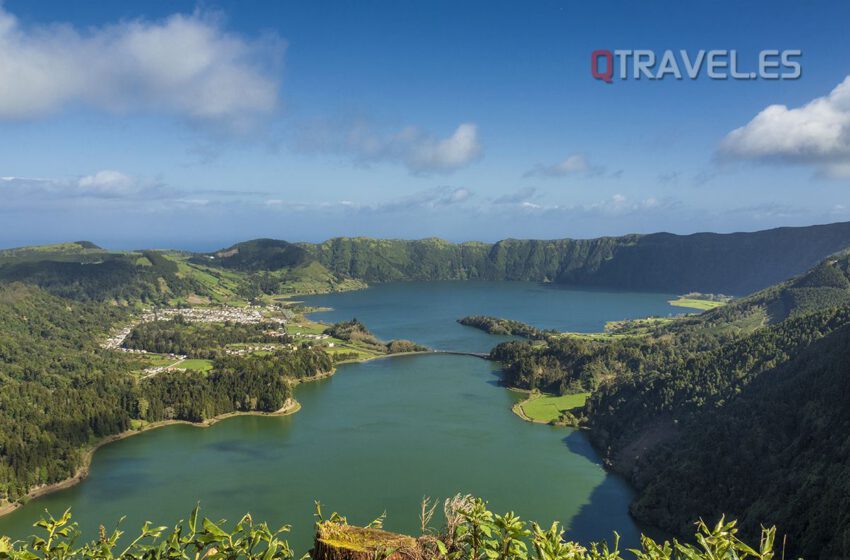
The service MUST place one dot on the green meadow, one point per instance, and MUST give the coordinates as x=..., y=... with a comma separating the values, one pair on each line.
x=548, y=408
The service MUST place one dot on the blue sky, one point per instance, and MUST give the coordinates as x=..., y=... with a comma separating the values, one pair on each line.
x=195, y=125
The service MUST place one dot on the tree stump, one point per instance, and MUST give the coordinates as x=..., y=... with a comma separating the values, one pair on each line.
x=335, y=541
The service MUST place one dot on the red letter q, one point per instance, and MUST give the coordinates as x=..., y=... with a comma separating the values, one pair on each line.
x=608, y=72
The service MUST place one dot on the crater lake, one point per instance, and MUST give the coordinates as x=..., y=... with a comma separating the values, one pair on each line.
x=378, y=435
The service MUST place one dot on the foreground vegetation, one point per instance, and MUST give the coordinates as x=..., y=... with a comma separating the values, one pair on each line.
x=470, y=532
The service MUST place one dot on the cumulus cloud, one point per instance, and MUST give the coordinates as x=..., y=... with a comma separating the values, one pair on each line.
x=184, y=65
x=110, y=183
x=411, y=146
x=818, y=133
x=447, y=154
x=576, y=164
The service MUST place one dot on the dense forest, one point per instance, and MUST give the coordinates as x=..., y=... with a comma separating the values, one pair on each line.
x=505, y=327
x=62, y=392
x=58, y=391
x=778, y=453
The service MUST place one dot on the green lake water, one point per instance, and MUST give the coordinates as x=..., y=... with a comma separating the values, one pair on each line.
x=378, y=435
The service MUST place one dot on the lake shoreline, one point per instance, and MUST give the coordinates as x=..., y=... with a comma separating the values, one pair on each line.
x=290, y=407
x=516, y=408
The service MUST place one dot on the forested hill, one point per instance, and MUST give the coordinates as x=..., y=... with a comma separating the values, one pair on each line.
x=83, y=271
x=735, y=263
x=741, y=409
x=779, y=452
x=261, y=255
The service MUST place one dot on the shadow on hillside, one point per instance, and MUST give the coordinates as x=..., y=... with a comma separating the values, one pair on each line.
x=578, y=443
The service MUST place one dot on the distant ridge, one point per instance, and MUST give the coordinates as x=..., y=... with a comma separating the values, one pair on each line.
x=74, y=247
x=734, y=263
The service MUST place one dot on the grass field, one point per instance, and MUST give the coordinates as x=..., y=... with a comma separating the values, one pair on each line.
x=548, y=408
x=220, y=284
x=695, y=303
x=156, y=360
x=307, y=327
x=623, y=329
x=343, y=349
x=198, y=365
x=141, y=361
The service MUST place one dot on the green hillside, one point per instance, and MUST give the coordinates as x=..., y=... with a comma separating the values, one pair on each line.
x=259, y=255
x=693, y=409
x=57, y=250
x=711, y=263
x=83, y=272
x=127, y=277
x=272, y=267
x=735, y=263
x=778, y=452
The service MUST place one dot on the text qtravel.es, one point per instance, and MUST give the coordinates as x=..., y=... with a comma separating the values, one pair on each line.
x=716, y=64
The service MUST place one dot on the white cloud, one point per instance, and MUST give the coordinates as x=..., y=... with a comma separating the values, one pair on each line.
x=107, y=183
x=419, y=151
x=818, y=133
x=575, y=164
x=184, y=65
x=456, y=151
x=102, y=185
